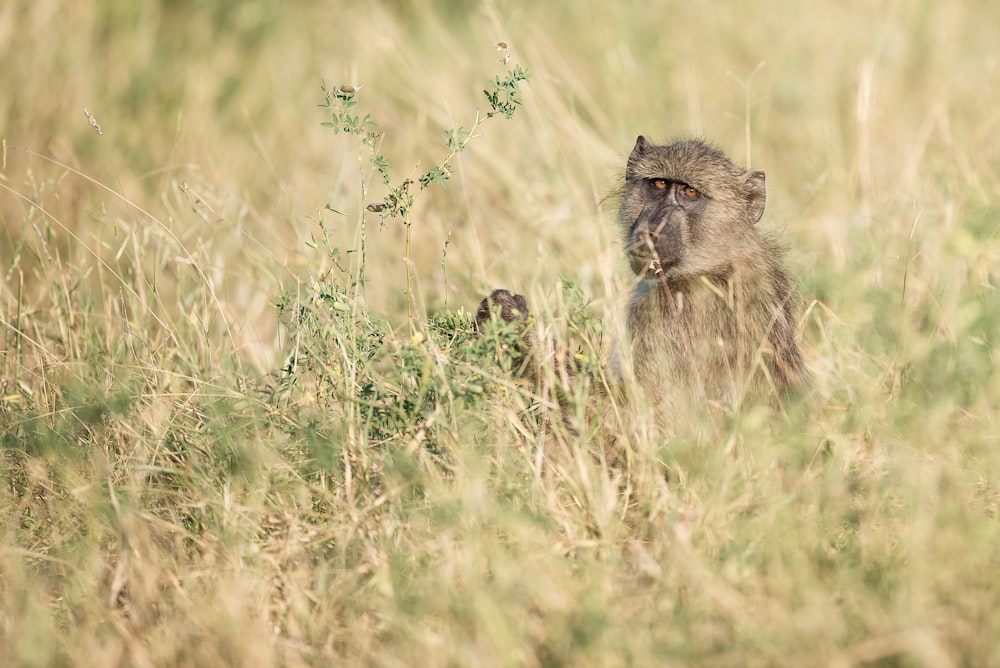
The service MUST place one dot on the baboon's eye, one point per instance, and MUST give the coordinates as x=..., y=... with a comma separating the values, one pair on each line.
x=660, y=184
x=689, y=193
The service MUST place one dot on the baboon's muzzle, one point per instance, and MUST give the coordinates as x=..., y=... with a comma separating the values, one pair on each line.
x=655, y=241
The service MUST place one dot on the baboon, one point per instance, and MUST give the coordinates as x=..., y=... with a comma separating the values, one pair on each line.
x=712, y=314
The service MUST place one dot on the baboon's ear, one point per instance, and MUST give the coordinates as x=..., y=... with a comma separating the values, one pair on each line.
x=635, y=156
x=756, y=195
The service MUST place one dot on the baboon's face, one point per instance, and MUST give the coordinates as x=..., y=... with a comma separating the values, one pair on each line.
x=686, y=210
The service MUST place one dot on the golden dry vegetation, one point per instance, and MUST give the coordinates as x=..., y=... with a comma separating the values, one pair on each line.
x=221, y=445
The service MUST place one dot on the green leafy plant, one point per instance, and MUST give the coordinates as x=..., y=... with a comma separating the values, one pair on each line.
x=503, y=97
x=398, y=387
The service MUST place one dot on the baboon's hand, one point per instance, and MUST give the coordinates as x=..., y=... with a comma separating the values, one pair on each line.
x=508, y=306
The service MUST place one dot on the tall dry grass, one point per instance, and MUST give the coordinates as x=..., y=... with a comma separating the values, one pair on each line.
x=170, y=498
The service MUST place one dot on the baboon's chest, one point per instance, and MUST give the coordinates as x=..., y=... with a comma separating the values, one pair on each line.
x=690, y=338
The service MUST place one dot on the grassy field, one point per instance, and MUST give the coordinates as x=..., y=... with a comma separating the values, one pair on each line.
x=227, y=440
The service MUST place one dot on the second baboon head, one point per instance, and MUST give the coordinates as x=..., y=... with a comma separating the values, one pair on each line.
x=688, y=211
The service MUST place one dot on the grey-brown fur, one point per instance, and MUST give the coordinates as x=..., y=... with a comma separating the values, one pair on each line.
x=713, y=309
x=711, y=316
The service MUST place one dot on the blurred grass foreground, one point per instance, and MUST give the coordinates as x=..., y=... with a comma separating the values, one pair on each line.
x=243, y=417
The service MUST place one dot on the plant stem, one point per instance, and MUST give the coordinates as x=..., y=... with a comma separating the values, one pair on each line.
x=409, y=274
